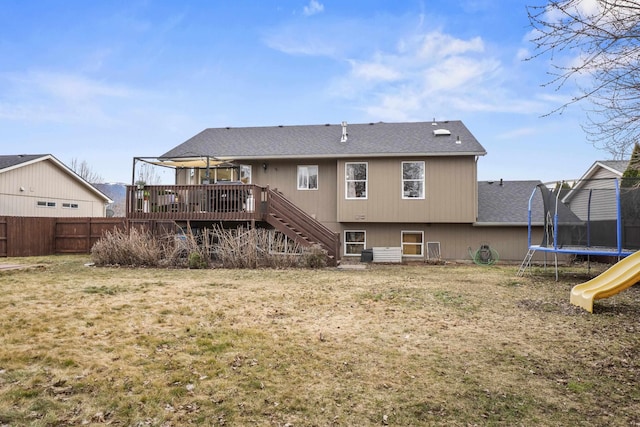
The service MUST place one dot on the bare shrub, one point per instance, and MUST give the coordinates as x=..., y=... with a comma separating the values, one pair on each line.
x=135, y=248
x=277, y=251
x=257, y=247
x=314, y=257
x=187, y=250
x=234, y=248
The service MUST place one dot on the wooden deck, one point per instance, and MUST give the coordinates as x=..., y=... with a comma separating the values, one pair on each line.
x=216, y=202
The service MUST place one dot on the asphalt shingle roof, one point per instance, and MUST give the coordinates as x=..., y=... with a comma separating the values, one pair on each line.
x=507, y=202
x=619, y=165
x=368, y=139
x=7, y=161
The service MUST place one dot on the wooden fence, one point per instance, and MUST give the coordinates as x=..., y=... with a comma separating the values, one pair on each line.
x=36, y=236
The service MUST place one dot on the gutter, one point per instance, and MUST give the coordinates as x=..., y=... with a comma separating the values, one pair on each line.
x=506, y=224
x=350, y=156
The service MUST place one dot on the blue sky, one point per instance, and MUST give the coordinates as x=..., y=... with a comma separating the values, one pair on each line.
x=105, y=81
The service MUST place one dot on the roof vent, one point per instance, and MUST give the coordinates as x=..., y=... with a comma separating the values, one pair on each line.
x=344, y=132
x=458, y=140
x=433, y=123
x=441, y=132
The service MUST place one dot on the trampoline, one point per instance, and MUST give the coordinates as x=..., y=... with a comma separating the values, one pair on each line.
x=599, y=217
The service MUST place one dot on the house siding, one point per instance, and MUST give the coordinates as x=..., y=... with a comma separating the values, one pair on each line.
x=44, y=181
x=603, y=198
x=456, y=240
x=450, y=192
x=282, y=175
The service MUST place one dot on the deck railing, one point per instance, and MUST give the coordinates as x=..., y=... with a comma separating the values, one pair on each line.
x=226, y=202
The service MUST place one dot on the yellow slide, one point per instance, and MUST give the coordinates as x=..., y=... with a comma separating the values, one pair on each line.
x=617, y=278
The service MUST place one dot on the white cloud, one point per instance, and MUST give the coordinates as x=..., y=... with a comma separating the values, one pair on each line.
x=437, y=45
x=523, y=54
x=313, y=7
x=515, y=134
x=580, y=7
x=40, y=96
x=292, y=40
x=73, y=87
x=427, y=74
x=374, y=71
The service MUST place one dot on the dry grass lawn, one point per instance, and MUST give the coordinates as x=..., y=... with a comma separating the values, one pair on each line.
x=389, y=345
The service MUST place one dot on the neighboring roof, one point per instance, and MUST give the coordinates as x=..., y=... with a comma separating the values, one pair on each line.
x=324, y=141
x=10, y=162
x=616, y=167
x=507, y=203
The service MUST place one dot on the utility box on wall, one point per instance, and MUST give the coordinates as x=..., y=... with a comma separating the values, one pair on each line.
x=387, y=254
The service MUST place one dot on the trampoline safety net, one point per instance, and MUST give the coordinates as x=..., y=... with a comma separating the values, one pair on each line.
x=597, y=213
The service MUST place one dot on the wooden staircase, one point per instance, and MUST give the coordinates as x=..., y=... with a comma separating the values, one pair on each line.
x=299, y=226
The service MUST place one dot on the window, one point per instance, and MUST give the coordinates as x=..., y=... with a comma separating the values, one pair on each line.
x=307, y=177
x=70, y=206
x=413, y=180
x=412, y=243
x=356, y=180
x=354, y=242
x=44, y=204
x=223, y=174
x=245, y=174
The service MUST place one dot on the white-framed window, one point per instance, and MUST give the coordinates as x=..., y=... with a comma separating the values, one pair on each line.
x=45, y=204
x=308, y=177
x=412, y=243
x=245, y=174
x=413, y=180
x=356, y=180
x=68, y=205
x=355, y=241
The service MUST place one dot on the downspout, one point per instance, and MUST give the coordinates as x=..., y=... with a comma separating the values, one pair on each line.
x=475, y=174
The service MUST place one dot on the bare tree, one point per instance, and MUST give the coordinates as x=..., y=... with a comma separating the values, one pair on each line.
x=148, y=175
x=602, y=40
x=85, y=171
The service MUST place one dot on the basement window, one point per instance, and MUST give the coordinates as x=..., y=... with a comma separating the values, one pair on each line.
x=412, y=243
x=45, y=204
x=354, y=242
x=70, y=206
